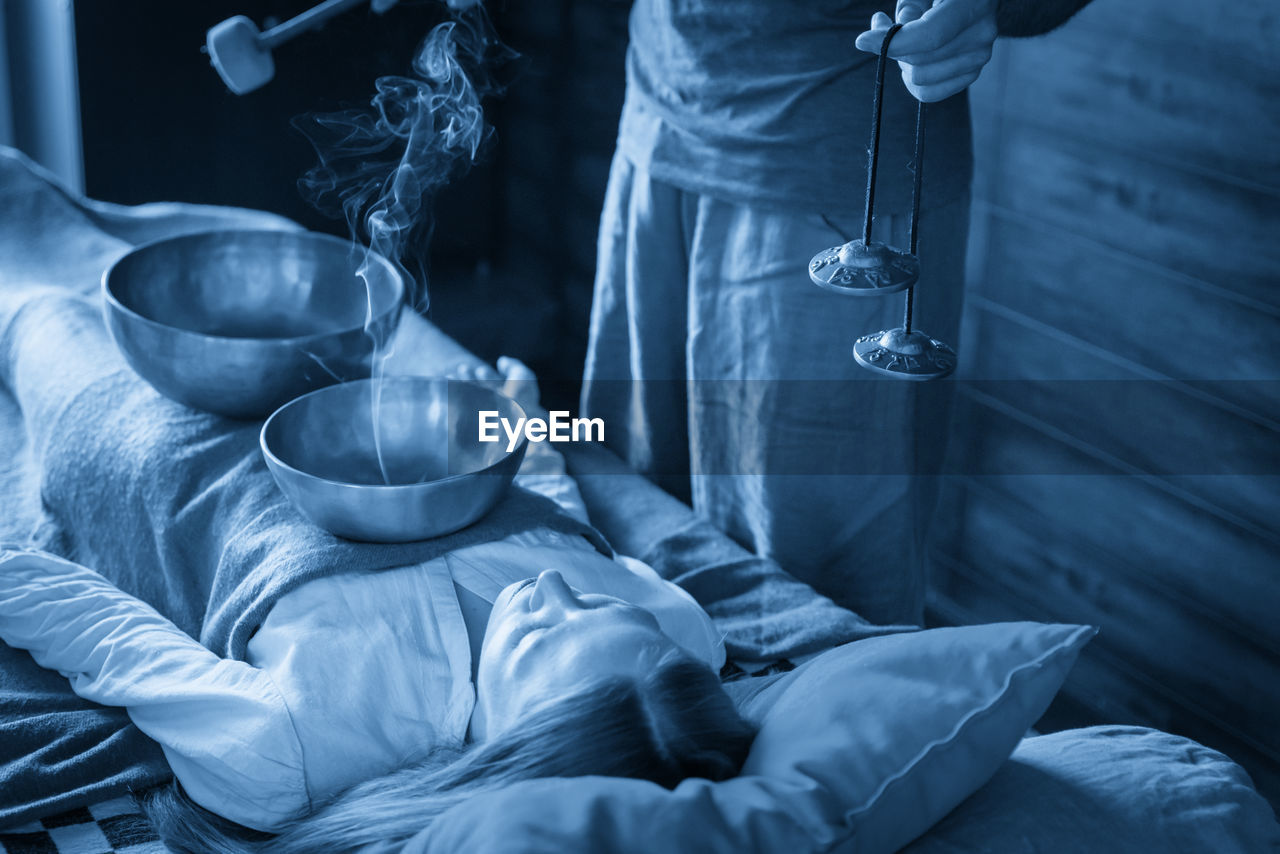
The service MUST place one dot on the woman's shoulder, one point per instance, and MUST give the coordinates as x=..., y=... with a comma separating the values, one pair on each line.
x=374, y=667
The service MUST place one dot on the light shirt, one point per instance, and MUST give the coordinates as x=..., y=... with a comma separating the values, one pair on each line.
x=768, y=102
x=348, y=677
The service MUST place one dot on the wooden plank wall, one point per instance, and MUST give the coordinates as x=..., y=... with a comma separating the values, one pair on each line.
x=1124, y=277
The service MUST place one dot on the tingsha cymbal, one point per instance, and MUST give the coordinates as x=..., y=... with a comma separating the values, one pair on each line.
x=906, y=355
x=864, y=269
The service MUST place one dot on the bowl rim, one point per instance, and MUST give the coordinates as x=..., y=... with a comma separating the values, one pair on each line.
x=275, y=461
x=112, y=304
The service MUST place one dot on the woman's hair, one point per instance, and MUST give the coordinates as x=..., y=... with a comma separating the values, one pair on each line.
x=673, y=723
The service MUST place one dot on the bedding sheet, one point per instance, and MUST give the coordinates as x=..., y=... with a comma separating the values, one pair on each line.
x=1114, y=789
x=1120, y=790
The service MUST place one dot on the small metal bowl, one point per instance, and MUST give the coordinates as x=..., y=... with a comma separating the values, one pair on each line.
x=239, y=322
x=392, y=460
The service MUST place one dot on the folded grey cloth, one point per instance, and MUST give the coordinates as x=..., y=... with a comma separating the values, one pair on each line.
x=765, y=613
x=175, y=506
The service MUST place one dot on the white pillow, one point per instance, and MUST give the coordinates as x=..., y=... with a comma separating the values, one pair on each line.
x=860, y=750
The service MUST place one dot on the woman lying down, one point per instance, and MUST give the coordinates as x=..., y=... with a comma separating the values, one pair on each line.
x=367, y=703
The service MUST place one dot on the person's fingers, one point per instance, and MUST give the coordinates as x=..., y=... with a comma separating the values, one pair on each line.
x=951, y=68
x=909, y=10
x=871, y=40
x=521, y=383
x=941, y=91
x=941, y=24
x=980, y=35
x=514, y=369
x=469, y=372
x=381, y=6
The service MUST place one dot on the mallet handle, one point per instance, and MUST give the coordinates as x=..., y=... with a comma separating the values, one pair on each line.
x=313, y=17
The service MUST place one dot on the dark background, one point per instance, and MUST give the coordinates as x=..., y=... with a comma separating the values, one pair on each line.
x=515, y=238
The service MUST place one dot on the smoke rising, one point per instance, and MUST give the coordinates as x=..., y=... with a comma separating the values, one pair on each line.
x=380, y=167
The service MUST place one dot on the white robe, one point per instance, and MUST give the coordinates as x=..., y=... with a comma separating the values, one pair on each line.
x=348, y=677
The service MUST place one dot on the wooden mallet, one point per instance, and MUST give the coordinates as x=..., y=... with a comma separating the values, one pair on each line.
x=241, y=54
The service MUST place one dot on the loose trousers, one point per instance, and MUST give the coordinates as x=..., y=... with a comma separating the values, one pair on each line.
x=725, y=374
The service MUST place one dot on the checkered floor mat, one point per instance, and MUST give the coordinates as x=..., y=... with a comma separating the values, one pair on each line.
x=111, y=827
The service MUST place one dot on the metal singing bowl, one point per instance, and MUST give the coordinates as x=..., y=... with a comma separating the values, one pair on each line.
x=238, y=322
x=394, y=459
